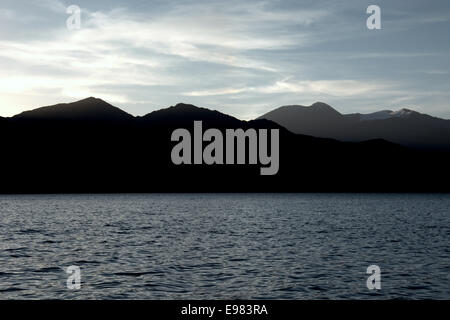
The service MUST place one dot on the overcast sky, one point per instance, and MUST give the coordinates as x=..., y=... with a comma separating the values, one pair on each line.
x=243, y=58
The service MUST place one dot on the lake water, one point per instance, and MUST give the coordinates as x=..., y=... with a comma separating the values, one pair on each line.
x=225, y=246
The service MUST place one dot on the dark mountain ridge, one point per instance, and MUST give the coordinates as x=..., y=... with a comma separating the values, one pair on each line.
x=101, y=149
x=87, y=109
x=182, y=114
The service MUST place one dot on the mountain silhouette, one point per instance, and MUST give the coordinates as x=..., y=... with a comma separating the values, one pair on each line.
x=90, y=146
x=405, y=127
x=86, y=109
x=187, y=112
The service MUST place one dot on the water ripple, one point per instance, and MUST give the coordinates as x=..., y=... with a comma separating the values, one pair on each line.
x=225, y=246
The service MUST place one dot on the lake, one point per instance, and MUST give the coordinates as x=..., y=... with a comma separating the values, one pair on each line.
x=225, y=246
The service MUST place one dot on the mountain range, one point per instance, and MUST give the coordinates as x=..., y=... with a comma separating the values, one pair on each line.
x=91, y=146
x=405, y=127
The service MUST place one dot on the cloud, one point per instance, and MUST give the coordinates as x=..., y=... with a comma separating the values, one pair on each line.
x=230, y=53
x=338, y=88
x=53, y=5
x=124, y=48
x=216, y=92
x=326, y=87
x=7, y=14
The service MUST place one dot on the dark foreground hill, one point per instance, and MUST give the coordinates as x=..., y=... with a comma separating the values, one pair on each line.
x=91, y=146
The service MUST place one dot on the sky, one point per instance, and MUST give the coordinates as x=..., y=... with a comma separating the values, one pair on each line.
x=243, y=58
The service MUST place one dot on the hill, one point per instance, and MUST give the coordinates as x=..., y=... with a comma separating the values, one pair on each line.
x=83, y=153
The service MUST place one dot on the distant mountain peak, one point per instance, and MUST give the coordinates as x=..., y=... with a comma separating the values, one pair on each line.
x=319, y=104
x=183, y=108
x=403, y=112
x=182, y=105
x=93, y=100
x=292, y=114
x=87, y=109
x=186, y=107
x=404, y=126
x=183, y=113
x=90, y=99
x=387, y=114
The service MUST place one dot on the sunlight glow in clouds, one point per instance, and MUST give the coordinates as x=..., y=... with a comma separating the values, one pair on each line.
x=229, y=56
x=329, y=88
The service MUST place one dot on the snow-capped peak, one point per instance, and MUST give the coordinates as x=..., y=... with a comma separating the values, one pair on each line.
x=386, y=114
